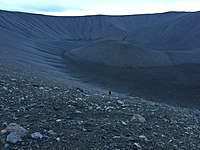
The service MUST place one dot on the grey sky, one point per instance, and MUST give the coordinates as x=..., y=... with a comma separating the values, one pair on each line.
x=91, y=7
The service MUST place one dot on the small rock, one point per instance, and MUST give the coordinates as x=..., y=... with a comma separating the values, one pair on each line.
x=137, y=145
x=143, y=138
x=77, y=111
x=3, y=131
x=58, y=120
x=36, y=135
x=138, y=118
x=79, y=89
x=41, y=88
x=108, y=108
x=13, y=127
x=5, y=88
x=123, y=122
x=51, y=132
x=22, y=109
x=90, y=107
x=13, y=79
x=4, y=124
x=170, y=141
x=6, y=146
x=120, y=102
x=116, y=137
x=13, y=137
x=56, y=88
x=58, y=139
x=84, y=129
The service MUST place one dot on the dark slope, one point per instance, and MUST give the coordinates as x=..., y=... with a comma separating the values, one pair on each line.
x=72, y=118
x=81, y=28
x=119, y=53
x=168, y=39
x=181, y=34
x=167, y=31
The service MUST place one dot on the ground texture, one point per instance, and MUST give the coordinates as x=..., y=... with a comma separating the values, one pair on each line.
x=39, y=112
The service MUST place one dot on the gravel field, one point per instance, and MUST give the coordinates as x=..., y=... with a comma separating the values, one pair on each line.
x=38, y=112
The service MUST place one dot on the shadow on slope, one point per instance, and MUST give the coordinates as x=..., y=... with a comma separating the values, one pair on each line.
x=177, y=85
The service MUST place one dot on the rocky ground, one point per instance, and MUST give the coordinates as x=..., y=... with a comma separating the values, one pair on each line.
x=39, y=113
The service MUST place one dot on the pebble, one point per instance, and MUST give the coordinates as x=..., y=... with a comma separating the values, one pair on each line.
x=120, y=102
x=6, y=146
x=13, y=79
x=144, y=138
x=138, y=118
x=56, y=88
x=41, y=88
x=170, y=141
x=84, y=129
x=58, y=120
x=13, y=127
x=5, y=88
x=51, y=132
x=13, y=137
x=58, y=139
x=3, y=131
x=36, y=135
x=22, y=109
x=90, y=107
x=79, y=89
x=137, y=145
x=116, y=137
x=4, y=124
x=123, y=122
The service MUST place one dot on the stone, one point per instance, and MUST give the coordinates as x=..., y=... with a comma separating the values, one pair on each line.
x=144, y=138
x=36, y=135
x=13, y=127
x=83, y=129
x=5, y=88
x=120, y=102
x=4, y=124
x=58, y=120
x=56, y=88
x=123, y=122
x=13, y=137
x=3, y=131
x=41, y=88
x=138, y=118
x=137, y=145
x=6, y=146
x=58, y=139
x=79, y=89
x=51, y=132
x=116, y=137
x=13, y=79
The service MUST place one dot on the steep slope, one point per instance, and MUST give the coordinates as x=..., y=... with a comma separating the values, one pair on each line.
x=164, y=32
x=80, y=28
x=181, y=34
x=59, y=28
x=153, y=56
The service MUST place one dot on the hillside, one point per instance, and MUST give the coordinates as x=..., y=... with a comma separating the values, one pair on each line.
x=162, y=50
x=41, y=112
x=55, y=74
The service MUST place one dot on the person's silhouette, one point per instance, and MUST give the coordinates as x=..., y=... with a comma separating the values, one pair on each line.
x=109, y=93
